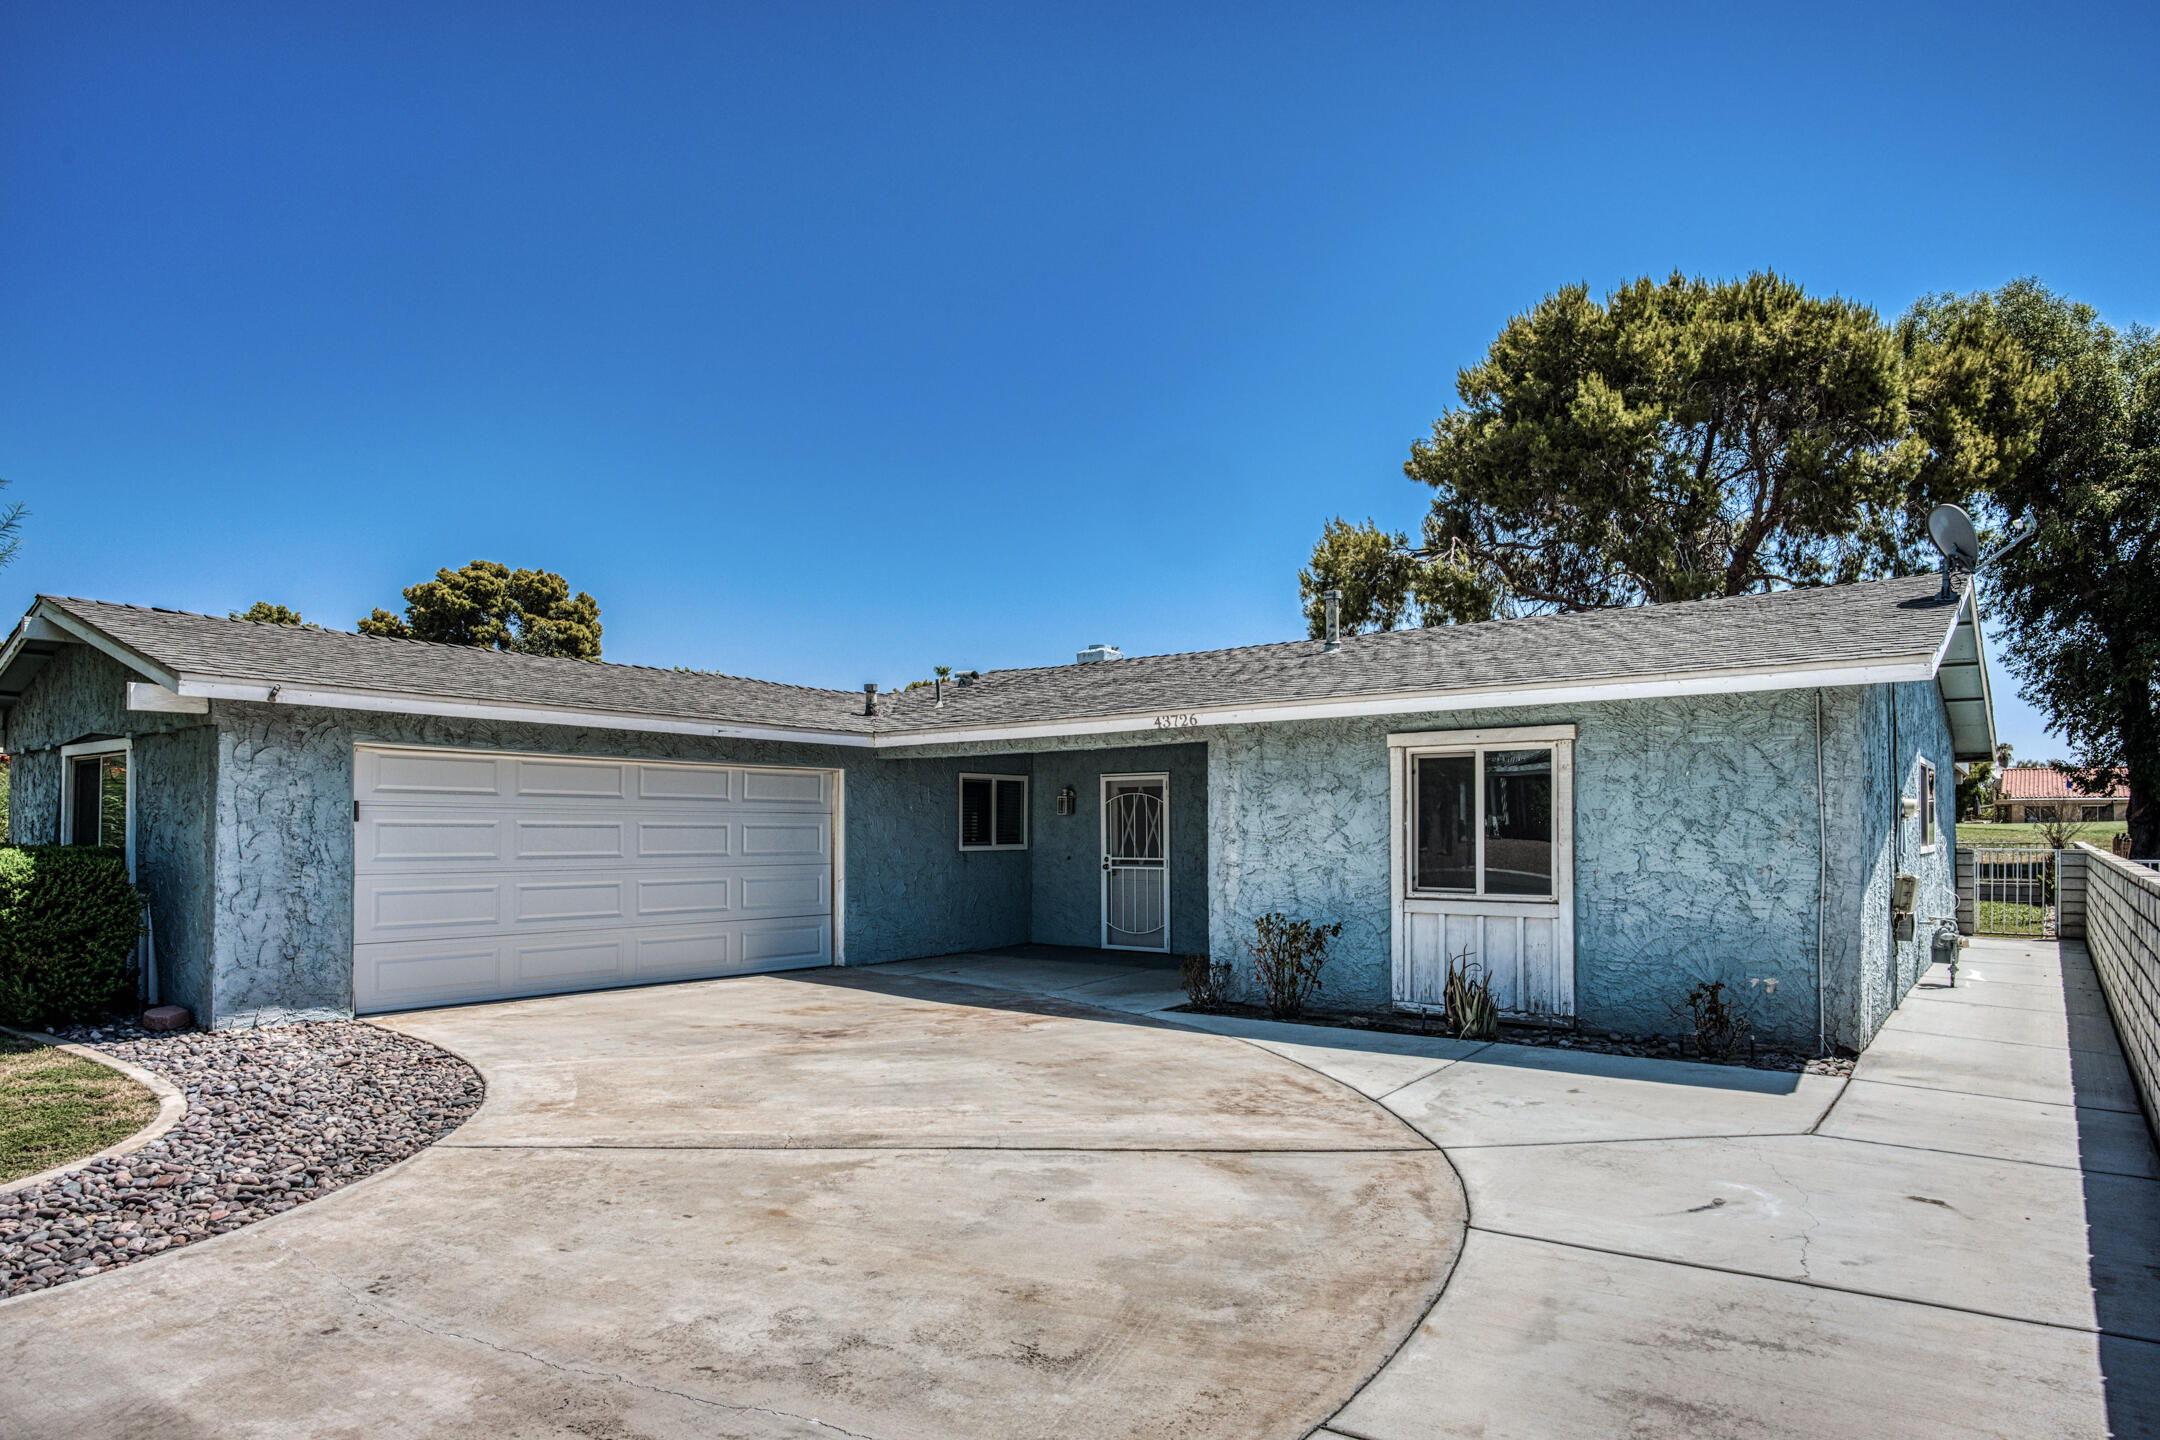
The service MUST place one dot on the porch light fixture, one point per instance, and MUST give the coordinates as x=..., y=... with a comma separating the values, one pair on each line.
x=1068, y=800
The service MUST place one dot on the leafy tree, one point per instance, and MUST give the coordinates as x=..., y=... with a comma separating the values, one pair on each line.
x=11, y=517
x=2076, y=603
x=1975, y=785
x=1694, y=438
x=1373, y=569
x=264, y=613
x=489, y=605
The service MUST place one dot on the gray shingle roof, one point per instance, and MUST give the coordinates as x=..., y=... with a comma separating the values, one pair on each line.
x=305, y=657
x=1877, y=621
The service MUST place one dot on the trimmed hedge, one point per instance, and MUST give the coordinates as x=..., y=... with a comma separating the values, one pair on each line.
x=69, y=921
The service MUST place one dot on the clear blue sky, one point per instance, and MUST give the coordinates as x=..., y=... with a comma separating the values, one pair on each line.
x=827, y=343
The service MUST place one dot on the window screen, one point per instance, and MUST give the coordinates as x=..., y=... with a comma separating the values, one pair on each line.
x=993, y=812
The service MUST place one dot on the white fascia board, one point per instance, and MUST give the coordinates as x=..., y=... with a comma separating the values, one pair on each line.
x=1508, y=735
x=97, y=639
x=1722, y=682
x=393, y=703
x=142, y=695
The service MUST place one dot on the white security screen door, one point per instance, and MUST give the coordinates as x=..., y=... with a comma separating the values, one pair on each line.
x=481, y=875
x=1136, y=862
x=1484, y=866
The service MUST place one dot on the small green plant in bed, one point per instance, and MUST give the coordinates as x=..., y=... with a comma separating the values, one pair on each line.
x=56, y=1107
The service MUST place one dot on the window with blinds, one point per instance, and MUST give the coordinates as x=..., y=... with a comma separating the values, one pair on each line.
x=993, y=812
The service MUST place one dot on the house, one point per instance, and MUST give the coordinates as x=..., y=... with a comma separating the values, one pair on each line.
x=2034, y=794
x=1600, y=809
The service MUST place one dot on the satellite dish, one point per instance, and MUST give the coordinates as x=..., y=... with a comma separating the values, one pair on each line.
x=1952, y=531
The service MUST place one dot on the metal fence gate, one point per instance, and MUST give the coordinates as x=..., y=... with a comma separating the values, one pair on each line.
x=2013, y=890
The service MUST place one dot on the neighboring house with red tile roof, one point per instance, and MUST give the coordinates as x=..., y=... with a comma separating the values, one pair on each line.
x=2033, y=793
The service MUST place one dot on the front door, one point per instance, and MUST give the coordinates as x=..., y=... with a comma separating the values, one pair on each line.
x=1136, y=862
x=1484, y=866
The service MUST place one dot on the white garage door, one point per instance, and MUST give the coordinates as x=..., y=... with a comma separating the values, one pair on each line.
x=479, y=875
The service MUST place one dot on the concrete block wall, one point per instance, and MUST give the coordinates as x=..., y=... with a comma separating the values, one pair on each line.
x=2070, y=894
x=2122, y=931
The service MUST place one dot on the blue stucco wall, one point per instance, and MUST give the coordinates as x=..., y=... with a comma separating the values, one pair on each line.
x=1067, y=849
x=1899, y=726
x=1696, y=847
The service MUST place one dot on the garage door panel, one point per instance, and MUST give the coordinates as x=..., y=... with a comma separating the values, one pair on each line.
x=568, y=963
x=553, y=903
x=770, y=840
x=390, y=907
x=786, y=942
x=804, y=789
x=685, y=839
x=676, y=896
x=388, y=977
x=793, y=891
x=676, y=955
x=418, y=775
x=686, y=783
x=553, y=840
x=431, y=840
x=570, y=779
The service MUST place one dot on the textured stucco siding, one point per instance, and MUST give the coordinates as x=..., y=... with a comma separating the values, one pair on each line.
x=1697, y=847
x=175, y=779
x=1067, y=849
x=285, y=853
x=1901, y=725
x=33, y=797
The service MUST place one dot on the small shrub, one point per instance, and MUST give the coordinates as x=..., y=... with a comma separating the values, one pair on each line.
x=69, y=921
x=1288, y=956
x=1471, y=1010
x=1207, y=981
x=1719, y=1028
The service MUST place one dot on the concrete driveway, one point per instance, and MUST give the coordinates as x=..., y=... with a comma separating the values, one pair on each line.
x=999, y=1196
x=837, y=1205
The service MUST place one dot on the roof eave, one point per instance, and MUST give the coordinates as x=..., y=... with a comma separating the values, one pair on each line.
x=1964, y=685
x=449, y=707
x=1919, y=665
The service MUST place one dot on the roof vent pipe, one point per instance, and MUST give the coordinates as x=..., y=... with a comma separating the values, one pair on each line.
x=869, y=698
x=1334, y=619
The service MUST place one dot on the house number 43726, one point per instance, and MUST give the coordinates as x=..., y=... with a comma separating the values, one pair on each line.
x=1175, y=722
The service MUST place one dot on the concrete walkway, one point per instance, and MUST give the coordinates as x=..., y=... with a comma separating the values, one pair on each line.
x=1012, y=1195
x=1962, y=1240
x=832, y=1204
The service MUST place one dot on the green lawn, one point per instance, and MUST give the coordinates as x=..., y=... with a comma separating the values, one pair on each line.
x=1980, y=832
x=56, y=1107
x=2002, y=917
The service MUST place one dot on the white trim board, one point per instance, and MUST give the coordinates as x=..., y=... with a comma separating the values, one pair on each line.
x=1721, y=682
x=395, y=703
x=1509, y=735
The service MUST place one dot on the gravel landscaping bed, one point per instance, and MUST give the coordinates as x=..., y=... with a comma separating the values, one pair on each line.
x=275, y=1117
x=1651, y=1047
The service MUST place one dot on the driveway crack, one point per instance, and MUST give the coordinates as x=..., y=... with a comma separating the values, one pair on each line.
x=1807, y=1207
